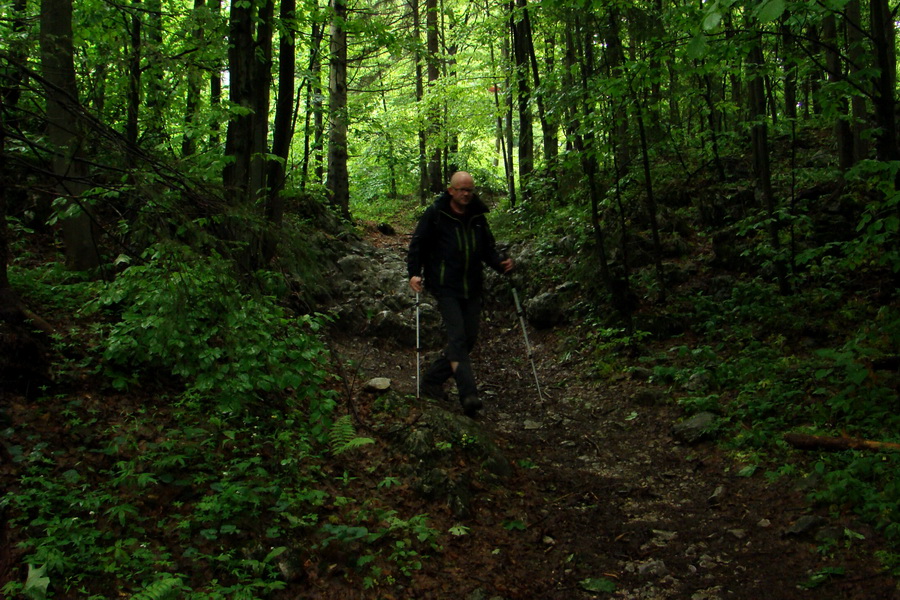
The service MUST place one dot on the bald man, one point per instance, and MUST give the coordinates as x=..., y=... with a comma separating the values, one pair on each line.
x=449, y=246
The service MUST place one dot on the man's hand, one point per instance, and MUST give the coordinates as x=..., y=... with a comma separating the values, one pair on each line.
x=507, y=265
x=415, y=282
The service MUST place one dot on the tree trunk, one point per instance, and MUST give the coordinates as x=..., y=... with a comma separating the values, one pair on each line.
x=215, y=86
x=284, y=112
x=64, y=132
x=586, y=150
x=194, y=81
x=857, y=59
x=760, y=145
x=9, y=100
x=281, y=135
x=523, y=94
x=435, y=179
x=261, y=83
x=421, y=134
x=650, y=201
x=315, y=109
x=133, y=102
x=885, y=65
x=338, y=181
x=616, y=59
x=835, y=76
x=790, y=75
x=240, y=128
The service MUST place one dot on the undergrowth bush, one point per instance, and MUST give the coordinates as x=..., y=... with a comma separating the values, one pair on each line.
x=750, y=368
x=186, y=313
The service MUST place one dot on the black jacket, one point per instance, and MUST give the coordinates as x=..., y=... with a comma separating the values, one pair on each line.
x=450, y=249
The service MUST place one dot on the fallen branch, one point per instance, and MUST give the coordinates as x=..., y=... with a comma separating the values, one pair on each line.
x=804, y=441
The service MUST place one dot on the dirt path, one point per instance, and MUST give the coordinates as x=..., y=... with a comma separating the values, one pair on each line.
x=604, y=497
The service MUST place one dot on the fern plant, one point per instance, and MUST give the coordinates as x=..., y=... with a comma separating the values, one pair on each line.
x=342, y=436
x=162, y=589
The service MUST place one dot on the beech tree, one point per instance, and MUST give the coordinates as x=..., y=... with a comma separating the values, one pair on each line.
x=65, y=133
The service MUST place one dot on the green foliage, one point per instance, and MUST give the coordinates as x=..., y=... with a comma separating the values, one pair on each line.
x=186, y=314
x=163, y=589
x=342, y=436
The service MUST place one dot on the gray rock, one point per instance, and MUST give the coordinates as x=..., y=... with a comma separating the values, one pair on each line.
x=696, y=428
x=654, y=569
x=545, y=310
x=378, y=384
x=804, y=525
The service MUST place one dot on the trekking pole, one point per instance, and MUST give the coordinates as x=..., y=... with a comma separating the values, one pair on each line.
x=418, y=353
x=527, y=343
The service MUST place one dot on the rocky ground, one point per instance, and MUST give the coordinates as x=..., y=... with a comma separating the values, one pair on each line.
x=602, y=499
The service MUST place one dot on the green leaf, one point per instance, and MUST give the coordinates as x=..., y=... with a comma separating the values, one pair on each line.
x=697, y=47
x=712, y=20
x=747, y=471
x=770, y=11
x=36, y=584
x=595, y=584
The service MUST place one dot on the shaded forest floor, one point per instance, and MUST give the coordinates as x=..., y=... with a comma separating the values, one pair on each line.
x=603, y=497
x=602, y=502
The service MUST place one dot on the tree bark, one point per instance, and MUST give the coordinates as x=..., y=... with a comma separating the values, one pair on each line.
x=215, y=86
x=835, y=76
x=432, y=43
x=882, y=31
x=284, y=112
x=133, y=103
x=9, y=100
x=338, y=179
x=761, y=165
x=421, y=134
x=857, y=59
x=64, y=132
x=194, y=82
x=523, y=94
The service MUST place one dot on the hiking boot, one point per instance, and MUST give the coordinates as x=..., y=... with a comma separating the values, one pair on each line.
x=471, y=405
x=435, y=391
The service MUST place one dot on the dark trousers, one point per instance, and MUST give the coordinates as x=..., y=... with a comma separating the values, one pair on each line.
x=461, y=319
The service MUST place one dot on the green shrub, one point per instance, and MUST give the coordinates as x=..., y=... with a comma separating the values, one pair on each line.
x=186, y=314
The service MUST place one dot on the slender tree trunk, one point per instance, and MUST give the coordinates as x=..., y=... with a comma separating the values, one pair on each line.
x=835, y=76
x=616, y=59
x=215, y=86
x=650, y=201
x=883, y=39
x=64, y=131
x=10, y=92
x=523, y=94
x=240, y=128
x=284, y=112
x=762, y=170
x=588, y=160
x=713, y=122
x=314, y=129
x=155, y=100
x=338, y=179
x=436, y=181
x=133, y=103
x=261, y=75
x=857, y=59
x=421, y=134
x=194, y=81
x=508, y=127
x=790, y=75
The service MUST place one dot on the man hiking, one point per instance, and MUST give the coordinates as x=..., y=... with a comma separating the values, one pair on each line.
x=446, y=252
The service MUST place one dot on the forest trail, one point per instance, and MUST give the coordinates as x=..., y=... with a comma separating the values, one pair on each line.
x=606, y=503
